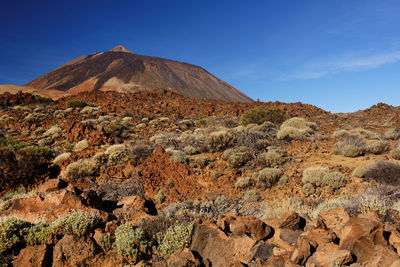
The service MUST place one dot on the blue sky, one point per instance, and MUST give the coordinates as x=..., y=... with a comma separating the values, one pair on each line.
x=339, y=55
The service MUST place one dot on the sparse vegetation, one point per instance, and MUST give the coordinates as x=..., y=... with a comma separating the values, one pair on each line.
x=176, y=237
x=296, y=129
x=130, y=242
x=350, y=147
x=219, y=141
x=384, y=172
x=261, y=114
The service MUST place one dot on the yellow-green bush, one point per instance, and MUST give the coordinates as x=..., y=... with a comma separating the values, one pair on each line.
x=176, y=237
x=260, y=114
x=131, y=243
x=296, y=129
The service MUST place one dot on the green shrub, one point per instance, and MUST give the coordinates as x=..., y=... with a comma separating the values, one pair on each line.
x=81, y=145
x=219, y=141
x=81, y=169
x=359, y=172
x=334, y=181
x=260, y=114
x=393, y=134
x=251, y=196
x=243, y=182
x=273, y=157
x=350, y=147
x=78, y=223
x=77, y=103
x=314, y=175
x=131, y=243
x=38, y=234
x=176, y=237
x=62, y=157
x=352, y=151
x=283, y=180
x=202, y=162
x=377, y=147
x=117, y=154
x=239, y=159
x=11, y=233
x=179, y=157
x=43, y=100
x=105, y=241
x=395, y=153
x=308, y=189
x=296, y=129
x=160, y=197
x=266, y=178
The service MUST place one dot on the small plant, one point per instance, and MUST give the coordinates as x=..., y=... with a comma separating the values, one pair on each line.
x=384, y=172
x=179, y=157
x=12, y=231
x=202, y=162
x=238, y=159
x=393, y=134
x=62, y=157
x=243, y=182
x=176, y=237
x=377, y=147
x=308, y=189
x=81, y=145
x=105, y=241
x=273, y=158
x=296, y=129
x=350, y=147
x=260, y=114
x=251, y=196
x=334, y=181
x=160, y=197
x=219, y=141
x=130, y=242
x=38, y=234
x=78, y=223
x=359, y=172
x=283, y=180
x=77, y=103
x=81, y=169
x=314, y=175
x=117, y=154
x=395, y=153
x=266, y=178
x=191, y=150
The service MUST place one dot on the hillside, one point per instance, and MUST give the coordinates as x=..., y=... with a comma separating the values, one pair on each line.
x=124, y=71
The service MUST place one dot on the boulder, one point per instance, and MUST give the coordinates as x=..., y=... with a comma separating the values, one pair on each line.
x=303, y=249
x=262, y=251
x=394, y=240
x=133, y=209
x=214, y=245
x=329, y=253
x=183, y=258
x=290, y=236
x=39, y=255
x=334, y=219
x=293, y=221
x=51, y=185
x=72, y=250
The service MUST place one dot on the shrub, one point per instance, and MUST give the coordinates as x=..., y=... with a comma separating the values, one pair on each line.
x=243, y=182
x=297, y=129
x=359, y=172
x=160, y=197
x=377, y=147
x=78, y=223
x=308, y=189
x=38, y=234
x=393, y=133
x=314, y=175
x=202, y=162
x=105, y=241
x=384, y=172
x=239, y=159
x=191, y=150
x=350, y=147
x=251, y=196
x=81, y=169
x=367, y=134
x=54, y=132
x=266, y=178
x=334, y=181
x=12, y=231
x=140, y=149
x=218, y=141
x=273, y=157
x=176, y=237
x=275, y=211
x=62, y=157
x=117, y=154
x=130, y=242
x=77, y=103
x=81, y=145
x=260, y=114
x=179, y=157
x=283, y=180
x=395, y=153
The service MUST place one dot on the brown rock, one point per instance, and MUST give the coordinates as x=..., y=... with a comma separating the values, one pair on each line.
x=303, y=249
x=111, y=226
x=394, y=240
x=382, y=256
x=183, y=258
x=221, y=250
x=262, y=251
x=320, y=236
x=293, y=221
x=51, y=185
x=289, y=236
x=71, y=250
x=133, y=209
x=328, y=253
x=334, y=219
x=39, y=255
x=360, y=235
x=241, y=225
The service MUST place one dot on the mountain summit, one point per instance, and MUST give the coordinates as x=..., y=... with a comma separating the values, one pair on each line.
x=124, y=71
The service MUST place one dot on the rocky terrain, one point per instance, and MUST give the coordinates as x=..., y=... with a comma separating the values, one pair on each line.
x=154, y=178
x=124, y=71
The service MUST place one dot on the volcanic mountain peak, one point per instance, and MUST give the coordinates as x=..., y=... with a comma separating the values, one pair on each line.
x=124, y=71
x=120, y=48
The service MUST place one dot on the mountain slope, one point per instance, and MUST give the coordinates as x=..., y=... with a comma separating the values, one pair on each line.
x=122, y=70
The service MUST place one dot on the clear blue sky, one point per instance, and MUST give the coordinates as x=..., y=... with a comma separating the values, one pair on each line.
x=337, y=54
